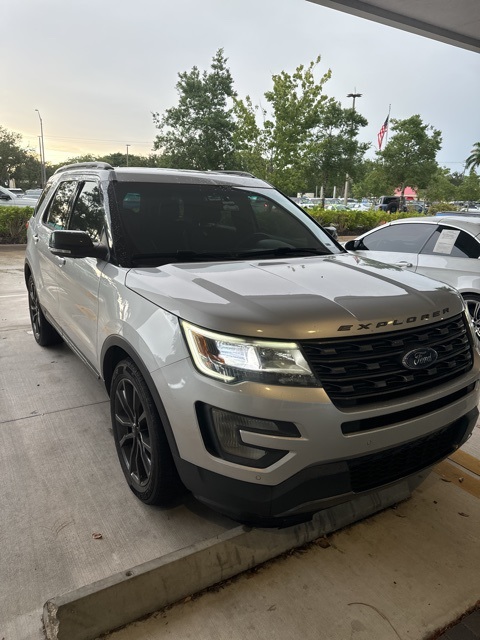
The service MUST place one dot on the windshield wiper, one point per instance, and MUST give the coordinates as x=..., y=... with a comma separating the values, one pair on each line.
x=199, y=256
x=179, y=256
x=283, y=251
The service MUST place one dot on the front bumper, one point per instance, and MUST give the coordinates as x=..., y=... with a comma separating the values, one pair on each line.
x=324, y=485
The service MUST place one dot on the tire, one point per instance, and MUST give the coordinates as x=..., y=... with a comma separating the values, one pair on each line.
x=473, y=305
x=140, y=438
x=43, y=332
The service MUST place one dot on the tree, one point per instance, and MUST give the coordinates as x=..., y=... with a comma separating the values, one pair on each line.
x=304, y=138
x=469, y=190
x=409, y=158
x=12, y=156
x=29, y=173
x=198, y=132
x=249, y=140
x=473, y=160
x=334, y=152
x=441, y=188
x=372, y=180
x=116, y=159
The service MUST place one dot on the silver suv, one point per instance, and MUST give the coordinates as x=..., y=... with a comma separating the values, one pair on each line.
x=247, y=356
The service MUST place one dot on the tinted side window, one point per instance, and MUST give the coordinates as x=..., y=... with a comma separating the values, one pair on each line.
x=57, y=213
x=452, y=242
x=88, y=211
x=402, y=238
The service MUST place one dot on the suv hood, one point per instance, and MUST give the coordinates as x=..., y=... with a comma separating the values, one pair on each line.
x=297, y=298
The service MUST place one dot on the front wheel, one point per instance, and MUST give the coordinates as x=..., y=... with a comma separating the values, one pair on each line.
x=140, y=438
x=43, y=331
x=473, y=305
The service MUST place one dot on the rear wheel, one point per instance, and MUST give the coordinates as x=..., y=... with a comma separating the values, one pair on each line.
x=43, y=331
x=473, y=305
x=140, y=438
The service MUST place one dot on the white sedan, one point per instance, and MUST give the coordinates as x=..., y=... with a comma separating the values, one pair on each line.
x=10, y=199
x=444, y=248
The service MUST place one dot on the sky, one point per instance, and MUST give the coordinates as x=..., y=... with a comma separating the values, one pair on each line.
x=96, y=70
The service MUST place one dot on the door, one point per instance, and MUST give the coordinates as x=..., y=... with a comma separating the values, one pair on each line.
x=397, y=244
x=79, y=278
x=452, y=255
x=46, y=272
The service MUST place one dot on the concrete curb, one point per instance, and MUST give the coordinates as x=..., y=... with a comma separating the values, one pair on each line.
x=118, y=600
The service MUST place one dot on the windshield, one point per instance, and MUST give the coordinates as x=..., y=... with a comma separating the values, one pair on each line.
x=183, y=223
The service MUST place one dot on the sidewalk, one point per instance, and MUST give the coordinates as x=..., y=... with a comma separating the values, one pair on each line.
x=406, y=573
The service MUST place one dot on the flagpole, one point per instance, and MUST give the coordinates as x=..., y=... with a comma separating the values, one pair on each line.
x=388, y=127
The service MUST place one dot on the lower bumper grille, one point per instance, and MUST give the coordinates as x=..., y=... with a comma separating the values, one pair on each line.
x=384, y=467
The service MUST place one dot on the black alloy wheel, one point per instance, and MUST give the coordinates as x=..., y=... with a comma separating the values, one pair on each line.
x=140, y=439
x=473, y=305
x=43, y=331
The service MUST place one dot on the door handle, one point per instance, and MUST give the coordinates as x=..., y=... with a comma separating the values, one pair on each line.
x=404, y=265
x=61, y=261
x=35, y=238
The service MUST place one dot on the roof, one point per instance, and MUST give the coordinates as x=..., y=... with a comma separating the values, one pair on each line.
x=456, y=23
x=466, y=223
x=160, y=175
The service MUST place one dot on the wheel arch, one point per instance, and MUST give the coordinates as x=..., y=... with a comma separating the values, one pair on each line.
x=116, y=349
x=27, y=272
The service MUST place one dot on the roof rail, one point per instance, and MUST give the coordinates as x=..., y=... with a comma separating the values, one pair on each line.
x=246, y=174
x=84, y=165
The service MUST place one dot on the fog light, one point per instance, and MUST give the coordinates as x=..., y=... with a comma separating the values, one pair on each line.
x=228, y=426
x=222, y=432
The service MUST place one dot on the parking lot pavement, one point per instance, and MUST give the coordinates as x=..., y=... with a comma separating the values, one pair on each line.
x=405, y=573
x=73, y=535
x=61, y=483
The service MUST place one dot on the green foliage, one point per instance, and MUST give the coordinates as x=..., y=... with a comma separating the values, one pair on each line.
x=355, y=222
x=14, y=160
x=473, y=160
x=441, y=206
x=115, y=159
x=305, y=138
x=13, y=224
x=198, y=133
x=440, y=187
x=372, y=180
x=470, y=188
x=409, y=159
x=248, y=139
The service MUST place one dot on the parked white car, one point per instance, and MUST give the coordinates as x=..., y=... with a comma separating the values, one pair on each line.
x=446, y=248
x=10, y=199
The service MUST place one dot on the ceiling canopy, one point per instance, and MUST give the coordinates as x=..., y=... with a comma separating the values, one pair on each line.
x=456, y=22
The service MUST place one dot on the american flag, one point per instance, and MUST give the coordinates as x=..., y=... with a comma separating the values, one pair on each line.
x=382, y=133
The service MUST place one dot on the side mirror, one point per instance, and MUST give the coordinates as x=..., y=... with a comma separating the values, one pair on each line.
x=352, y=245
x=75, y=244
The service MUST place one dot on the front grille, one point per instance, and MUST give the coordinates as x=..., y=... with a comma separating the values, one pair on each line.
x=384, y=467
x=364, y=369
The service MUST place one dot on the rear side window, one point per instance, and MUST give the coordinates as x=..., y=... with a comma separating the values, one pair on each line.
x=57, y=214
x=452, y=242
x=88, y=211
x=400, y=238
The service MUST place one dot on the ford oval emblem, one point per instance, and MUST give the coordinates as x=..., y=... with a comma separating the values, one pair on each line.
x=419, y=358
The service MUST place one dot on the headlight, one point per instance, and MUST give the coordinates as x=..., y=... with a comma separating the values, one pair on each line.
x=233, y=359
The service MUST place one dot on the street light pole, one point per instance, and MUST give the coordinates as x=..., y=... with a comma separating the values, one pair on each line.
x=42, y=150
x=353, y=95
x=127, y=153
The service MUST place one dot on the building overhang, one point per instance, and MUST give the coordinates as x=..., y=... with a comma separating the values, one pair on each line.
x=455, y=22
